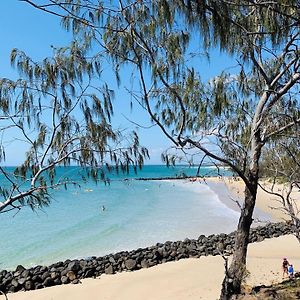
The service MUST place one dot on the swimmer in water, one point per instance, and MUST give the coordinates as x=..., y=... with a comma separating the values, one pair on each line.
x=103, y=208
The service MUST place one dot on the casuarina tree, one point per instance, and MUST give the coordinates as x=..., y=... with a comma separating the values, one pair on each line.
x=241, y=111
x=64, y=119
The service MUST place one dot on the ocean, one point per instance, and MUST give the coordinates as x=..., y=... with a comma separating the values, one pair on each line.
x=99, y=219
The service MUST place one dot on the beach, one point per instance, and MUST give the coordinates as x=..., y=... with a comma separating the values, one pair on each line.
x=185, y=279
x=193, y=278
x=231, y=190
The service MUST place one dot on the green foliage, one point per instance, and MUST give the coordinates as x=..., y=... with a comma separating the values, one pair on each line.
x=282, y=160
x=65, y=120
x=258, y=99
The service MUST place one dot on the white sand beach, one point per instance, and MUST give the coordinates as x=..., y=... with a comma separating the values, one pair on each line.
x=185, y=279
x=233, y=190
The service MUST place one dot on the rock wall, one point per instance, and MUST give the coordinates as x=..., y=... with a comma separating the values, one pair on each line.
x=71, y=271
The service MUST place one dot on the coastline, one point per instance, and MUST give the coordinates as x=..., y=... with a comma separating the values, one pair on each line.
x=89, y=234
x=186, y=274
x=177, y=210
x=231, y=190
x=185, y=279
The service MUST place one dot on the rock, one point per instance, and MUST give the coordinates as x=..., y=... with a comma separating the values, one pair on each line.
x=71, y=275
x=76, y=281
x=17, y=274
x=130, y=264
x=57, y=281
x=28, y=285
x=26, y=273
x=173, y=254
x=74, y=266
x=111, y=260
x=54, y=275
x=109, y=270
x=100, y=269
x=64, y=280
x=201, y=249
x=64, y=272
x=144, y=264
x=39, y=286
x=48, y=282
x=21, y=281
x=20, y=268
x=221, y=246
x=89, y=273
x=43, y=269
x=15, y=283
x=260, y=238
x=58, y=265
x=45, y=275
x=12, y=289
x=83, y=263
x=37, y=278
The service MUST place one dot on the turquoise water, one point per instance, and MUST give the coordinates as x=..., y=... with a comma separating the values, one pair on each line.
x=137, y=214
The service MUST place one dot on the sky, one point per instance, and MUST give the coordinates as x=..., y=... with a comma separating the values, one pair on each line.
x=30, y=30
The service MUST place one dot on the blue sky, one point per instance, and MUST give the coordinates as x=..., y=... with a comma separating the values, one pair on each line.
x=30, y=30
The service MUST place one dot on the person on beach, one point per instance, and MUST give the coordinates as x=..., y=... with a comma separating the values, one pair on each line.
x=285, y=265
x=291, y=271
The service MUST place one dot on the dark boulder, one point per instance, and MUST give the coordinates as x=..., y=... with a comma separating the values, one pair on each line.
x=57, y=281
x=20, y=268
x=65, y=280
x=45, y=275
x=48, y=282
x=37, y=278
x=28, y=285
x=89, y=272
x=14, y=283
x=74, y=266
x=26, y=273
x=38, y=286
x=21, y=281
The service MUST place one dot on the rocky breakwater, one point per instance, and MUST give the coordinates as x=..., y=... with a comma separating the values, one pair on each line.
x=71, y=271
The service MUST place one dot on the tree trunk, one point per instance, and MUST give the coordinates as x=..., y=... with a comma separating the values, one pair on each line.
x=296, y=226
x=237, y=271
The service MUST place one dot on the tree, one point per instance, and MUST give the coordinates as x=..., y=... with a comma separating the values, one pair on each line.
x=283, y=162
x=241, y=113
x=63, y=116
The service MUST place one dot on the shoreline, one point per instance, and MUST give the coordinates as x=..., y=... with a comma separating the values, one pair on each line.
x=224, y=188
x=73, y=271
x=193, y=231
x=267, y=208
x=185, y=269
x=192, y=278
x=232, y=197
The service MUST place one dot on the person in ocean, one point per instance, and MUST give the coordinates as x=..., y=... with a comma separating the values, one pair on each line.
x=291, y=271
x=103, y=208
x=285, y=265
